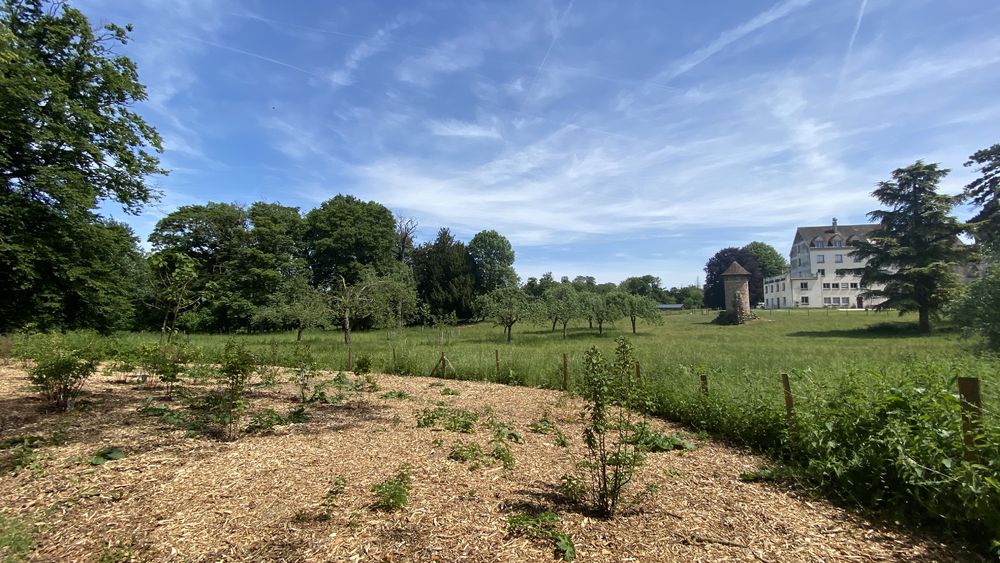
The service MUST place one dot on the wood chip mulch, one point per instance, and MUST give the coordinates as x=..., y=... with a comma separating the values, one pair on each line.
x=176, y=497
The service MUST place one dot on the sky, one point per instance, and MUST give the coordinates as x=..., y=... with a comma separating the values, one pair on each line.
x=608, y=139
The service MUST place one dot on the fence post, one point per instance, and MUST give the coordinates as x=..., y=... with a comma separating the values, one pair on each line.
x=638, y=372
x=789, y=406
x=350, y=360
x=704, y=382
x=497, y=352
x=565, y=372
x=972, y=412
x=438, y=366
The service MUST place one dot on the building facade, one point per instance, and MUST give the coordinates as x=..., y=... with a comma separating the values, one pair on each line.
x=812, y=279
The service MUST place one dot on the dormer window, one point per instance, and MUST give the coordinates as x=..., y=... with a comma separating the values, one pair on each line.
x=836, y=241
x=817, y=243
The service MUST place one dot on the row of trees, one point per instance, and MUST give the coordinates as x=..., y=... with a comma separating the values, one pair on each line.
x=562, y=304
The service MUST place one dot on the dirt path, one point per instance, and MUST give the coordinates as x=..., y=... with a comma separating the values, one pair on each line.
x=261, y=498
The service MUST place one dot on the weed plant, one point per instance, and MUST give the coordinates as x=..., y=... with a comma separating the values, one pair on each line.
x=394, y=493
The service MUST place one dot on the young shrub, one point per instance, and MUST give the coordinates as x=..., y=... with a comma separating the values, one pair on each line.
x=236, y=368
x=393, y=493
x=305, y=370
x=613, y=458
x=59, y=375
x=543, y=526
x=463, y=452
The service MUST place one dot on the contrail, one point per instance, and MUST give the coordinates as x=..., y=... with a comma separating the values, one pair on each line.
x=850, y=44
x=259, y=57
x=555, y=37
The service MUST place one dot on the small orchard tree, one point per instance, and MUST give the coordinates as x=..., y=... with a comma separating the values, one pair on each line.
x=396, y=299
x=637, y=307
x=352, y=302
x=607, y=308
x=59, y=374
x=505, y=306
x=978, y=311
x=174, y=275
x=297, y=305
x=913, y=256
x=562, y=305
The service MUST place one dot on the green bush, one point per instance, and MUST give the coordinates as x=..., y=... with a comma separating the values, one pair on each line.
x=543, y=526
x=16, y=539
x=59, y=374
x=610, y=434
x=393, y=493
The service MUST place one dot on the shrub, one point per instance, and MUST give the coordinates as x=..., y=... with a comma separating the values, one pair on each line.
x=465, y=451
x=393, y=493
x=613, y=459
x=363, y=365
x=60, y=374
x=236, y=368
x=16, y=539
x=543, y=526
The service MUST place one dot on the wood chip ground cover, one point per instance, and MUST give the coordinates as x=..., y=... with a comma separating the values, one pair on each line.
x=267, y=497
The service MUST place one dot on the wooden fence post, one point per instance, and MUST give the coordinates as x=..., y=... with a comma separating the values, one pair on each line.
x=704, y=382
x=350, y=360
x=438, y=366
x=972, y=412
x=565, y=372
x=497, y=352
x=789, y=406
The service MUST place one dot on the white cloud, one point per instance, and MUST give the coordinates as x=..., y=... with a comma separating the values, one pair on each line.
x=454, y=128
x=371, y=46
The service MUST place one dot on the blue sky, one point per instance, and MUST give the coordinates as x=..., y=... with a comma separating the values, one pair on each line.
x=602, y=138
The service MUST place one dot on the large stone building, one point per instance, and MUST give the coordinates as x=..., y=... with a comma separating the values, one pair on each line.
x=812, y=279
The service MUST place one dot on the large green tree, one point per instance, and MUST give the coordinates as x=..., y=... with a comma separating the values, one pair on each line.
x=493, y=257
x=505, y=306
x=646, y=286
x=912, y=258
x=771, y=262
x=984, y=192
x=446, y=277
x=70, y=140
x=344, y=235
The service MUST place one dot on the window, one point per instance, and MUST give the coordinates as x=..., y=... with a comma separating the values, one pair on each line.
x=838, y=258
x=820, y=258
x=782, y=286
x=837, y=242
x=805, y=300
x=826, y=286
x=803, y=285
x=854, y=285
x=784, y=301
x=826, y=300
x=835, y=285
x=820, y=272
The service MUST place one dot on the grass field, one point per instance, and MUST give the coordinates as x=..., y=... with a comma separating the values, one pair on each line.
x=877, y=416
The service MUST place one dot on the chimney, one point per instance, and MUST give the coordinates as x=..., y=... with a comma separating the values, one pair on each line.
x=834, y=224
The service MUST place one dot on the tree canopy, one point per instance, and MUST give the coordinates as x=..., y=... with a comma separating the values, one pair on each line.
x=984, y=192
x=916, y=250
x=493, y=258
x=70, y=141
x=344, y=234
x=771, y=262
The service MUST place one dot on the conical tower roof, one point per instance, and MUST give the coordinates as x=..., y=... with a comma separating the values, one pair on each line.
x=735, y=269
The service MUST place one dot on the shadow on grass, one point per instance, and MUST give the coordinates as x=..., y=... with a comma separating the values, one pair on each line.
x=880, y=330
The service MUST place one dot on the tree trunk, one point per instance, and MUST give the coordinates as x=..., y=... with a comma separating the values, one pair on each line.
x=600, y=327
x=509, y=331
x=590, y=321
x=633, y=324
x=347, y=329
x=925, y=320
x=564, y=329
x=298, y=337
x=554, y=321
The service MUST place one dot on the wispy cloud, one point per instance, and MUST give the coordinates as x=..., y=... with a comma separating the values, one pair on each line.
x=733, y=35
x=850, y=43
x=371, y=46
x=455, y=128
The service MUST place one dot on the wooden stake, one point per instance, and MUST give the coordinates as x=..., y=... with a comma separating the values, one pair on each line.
x=497, y=352
x=565, y=372
x=789, y=406
x=438, y=366
x=704, y=383
x=638, y=372
x=972, y=413
x=350, y=360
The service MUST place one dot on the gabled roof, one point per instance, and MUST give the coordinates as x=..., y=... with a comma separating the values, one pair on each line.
x=807, y=234
x=735, y=269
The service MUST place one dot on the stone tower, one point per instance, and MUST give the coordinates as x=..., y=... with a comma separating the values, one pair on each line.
x=737, y=285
